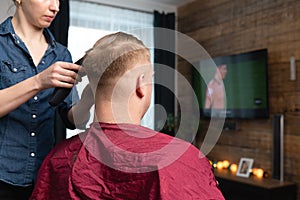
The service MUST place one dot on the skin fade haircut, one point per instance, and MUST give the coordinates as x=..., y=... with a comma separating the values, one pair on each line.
x=112, y=56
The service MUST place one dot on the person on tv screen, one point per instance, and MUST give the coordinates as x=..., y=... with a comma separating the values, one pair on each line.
x=215, y=93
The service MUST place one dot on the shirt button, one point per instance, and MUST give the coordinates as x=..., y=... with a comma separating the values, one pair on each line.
x=35, y=98
x=18, y=41
x=15, y=69
x=33, y=116
x=32, y=134
x=43, y=62
x=32, y=154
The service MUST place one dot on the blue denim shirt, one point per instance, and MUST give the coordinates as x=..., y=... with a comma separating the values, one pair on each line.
x=27, y=133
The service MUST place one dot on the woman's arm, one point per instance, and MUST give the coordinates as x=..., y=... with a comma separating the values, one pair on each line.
x=14, y=96
x=60, y=74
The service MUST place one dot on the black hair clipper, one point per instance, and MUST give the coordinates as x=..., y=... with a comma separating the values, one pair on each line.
x=60, y=94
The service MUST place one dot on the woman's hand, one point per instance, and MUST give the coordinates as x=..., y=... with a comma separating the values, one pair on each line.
x=59, y=74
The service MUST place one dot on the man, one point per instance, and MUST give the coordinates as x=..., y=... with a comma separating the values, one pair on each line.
x=117, y=158
x=215, y=94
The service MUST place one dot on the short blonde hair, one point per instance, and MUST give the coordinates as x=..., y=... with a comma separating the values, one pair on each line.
x=111, y=56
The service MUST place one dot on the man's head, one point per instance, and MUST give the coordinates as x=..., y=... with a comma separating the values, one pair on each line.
x=120, y=72
x=222, y=70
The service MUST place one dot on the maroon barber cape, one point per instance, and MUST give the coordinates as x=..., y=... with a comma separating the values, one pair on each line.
x=125, y=161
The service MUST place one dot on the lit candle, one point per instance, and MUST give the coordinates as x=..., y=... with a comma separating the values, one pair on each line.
x=259, y=172
x=233, y=168
x=220, y=165
x=225, y=163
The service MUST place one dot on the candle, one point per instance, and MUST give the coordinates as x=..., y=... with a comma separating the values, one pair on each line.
x=233, y=168
x=258, y=172
x=220, y=165
x=225, y=163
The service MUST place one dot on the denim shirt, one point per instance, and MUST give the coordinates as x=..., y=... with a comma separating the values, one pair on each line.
x=27, y=133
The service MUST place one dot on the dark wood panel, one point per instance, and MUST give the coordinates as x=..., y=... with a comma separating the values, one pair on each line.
x=225, y=27
x=203, y=15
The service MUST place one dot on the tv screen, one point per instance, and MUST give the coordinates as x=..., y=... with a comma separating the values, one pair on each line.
x=235, y=85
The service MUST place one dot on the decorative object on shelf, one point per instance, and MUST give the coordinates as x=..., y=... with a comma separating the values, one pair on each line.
x=169, y=125
x=219, y=165
x=233, y=167
x=225, y=164
x=245, y=167
x=258, y=172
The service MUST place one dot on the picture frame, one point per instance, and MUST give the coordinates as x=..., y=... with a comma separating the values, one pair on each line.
x=245, y=167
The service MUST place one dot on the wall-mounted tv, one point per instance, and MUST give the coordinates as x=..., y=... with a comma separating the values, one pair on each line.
x=236, y=85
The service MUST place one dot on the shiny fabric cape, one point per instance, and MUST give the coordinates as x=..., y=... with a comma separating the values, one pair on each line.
x=125, y=161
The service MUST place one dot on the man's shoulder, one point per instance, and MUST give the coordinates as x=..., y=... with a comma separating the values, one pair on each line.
x=191, y=175
x=213, y=82
x=68, y=146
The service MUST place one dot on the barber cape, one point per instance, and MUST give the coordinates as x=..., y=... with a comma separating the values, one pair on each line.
x=125, y=161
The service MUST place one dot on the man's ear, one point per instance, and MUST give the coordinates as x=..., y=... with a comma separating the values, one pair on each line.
x=140, y=90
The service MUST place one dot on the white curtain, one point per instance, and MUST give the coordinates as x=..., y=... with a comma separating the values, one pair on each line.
x=93, y=15
x=109, y=18
x=90, y=21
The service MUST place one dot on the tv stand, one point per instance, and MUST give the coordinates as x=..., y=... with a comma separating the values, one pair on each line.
x=237, y=188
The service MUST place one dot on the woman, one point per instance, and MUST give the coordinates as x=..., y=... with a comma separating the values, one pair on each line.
x=32, y=64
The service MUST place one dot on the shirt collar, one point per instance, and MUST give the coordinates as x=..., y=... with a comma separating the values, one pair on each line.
x=6, y=27
x=50, y=38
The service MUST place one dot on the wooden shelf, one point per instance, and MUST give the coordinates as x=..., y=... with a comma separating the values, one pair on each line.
x=236, y=188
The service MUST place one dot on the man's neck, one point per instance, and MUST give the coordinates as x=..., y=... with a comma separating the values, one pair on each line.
x=114, y=113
